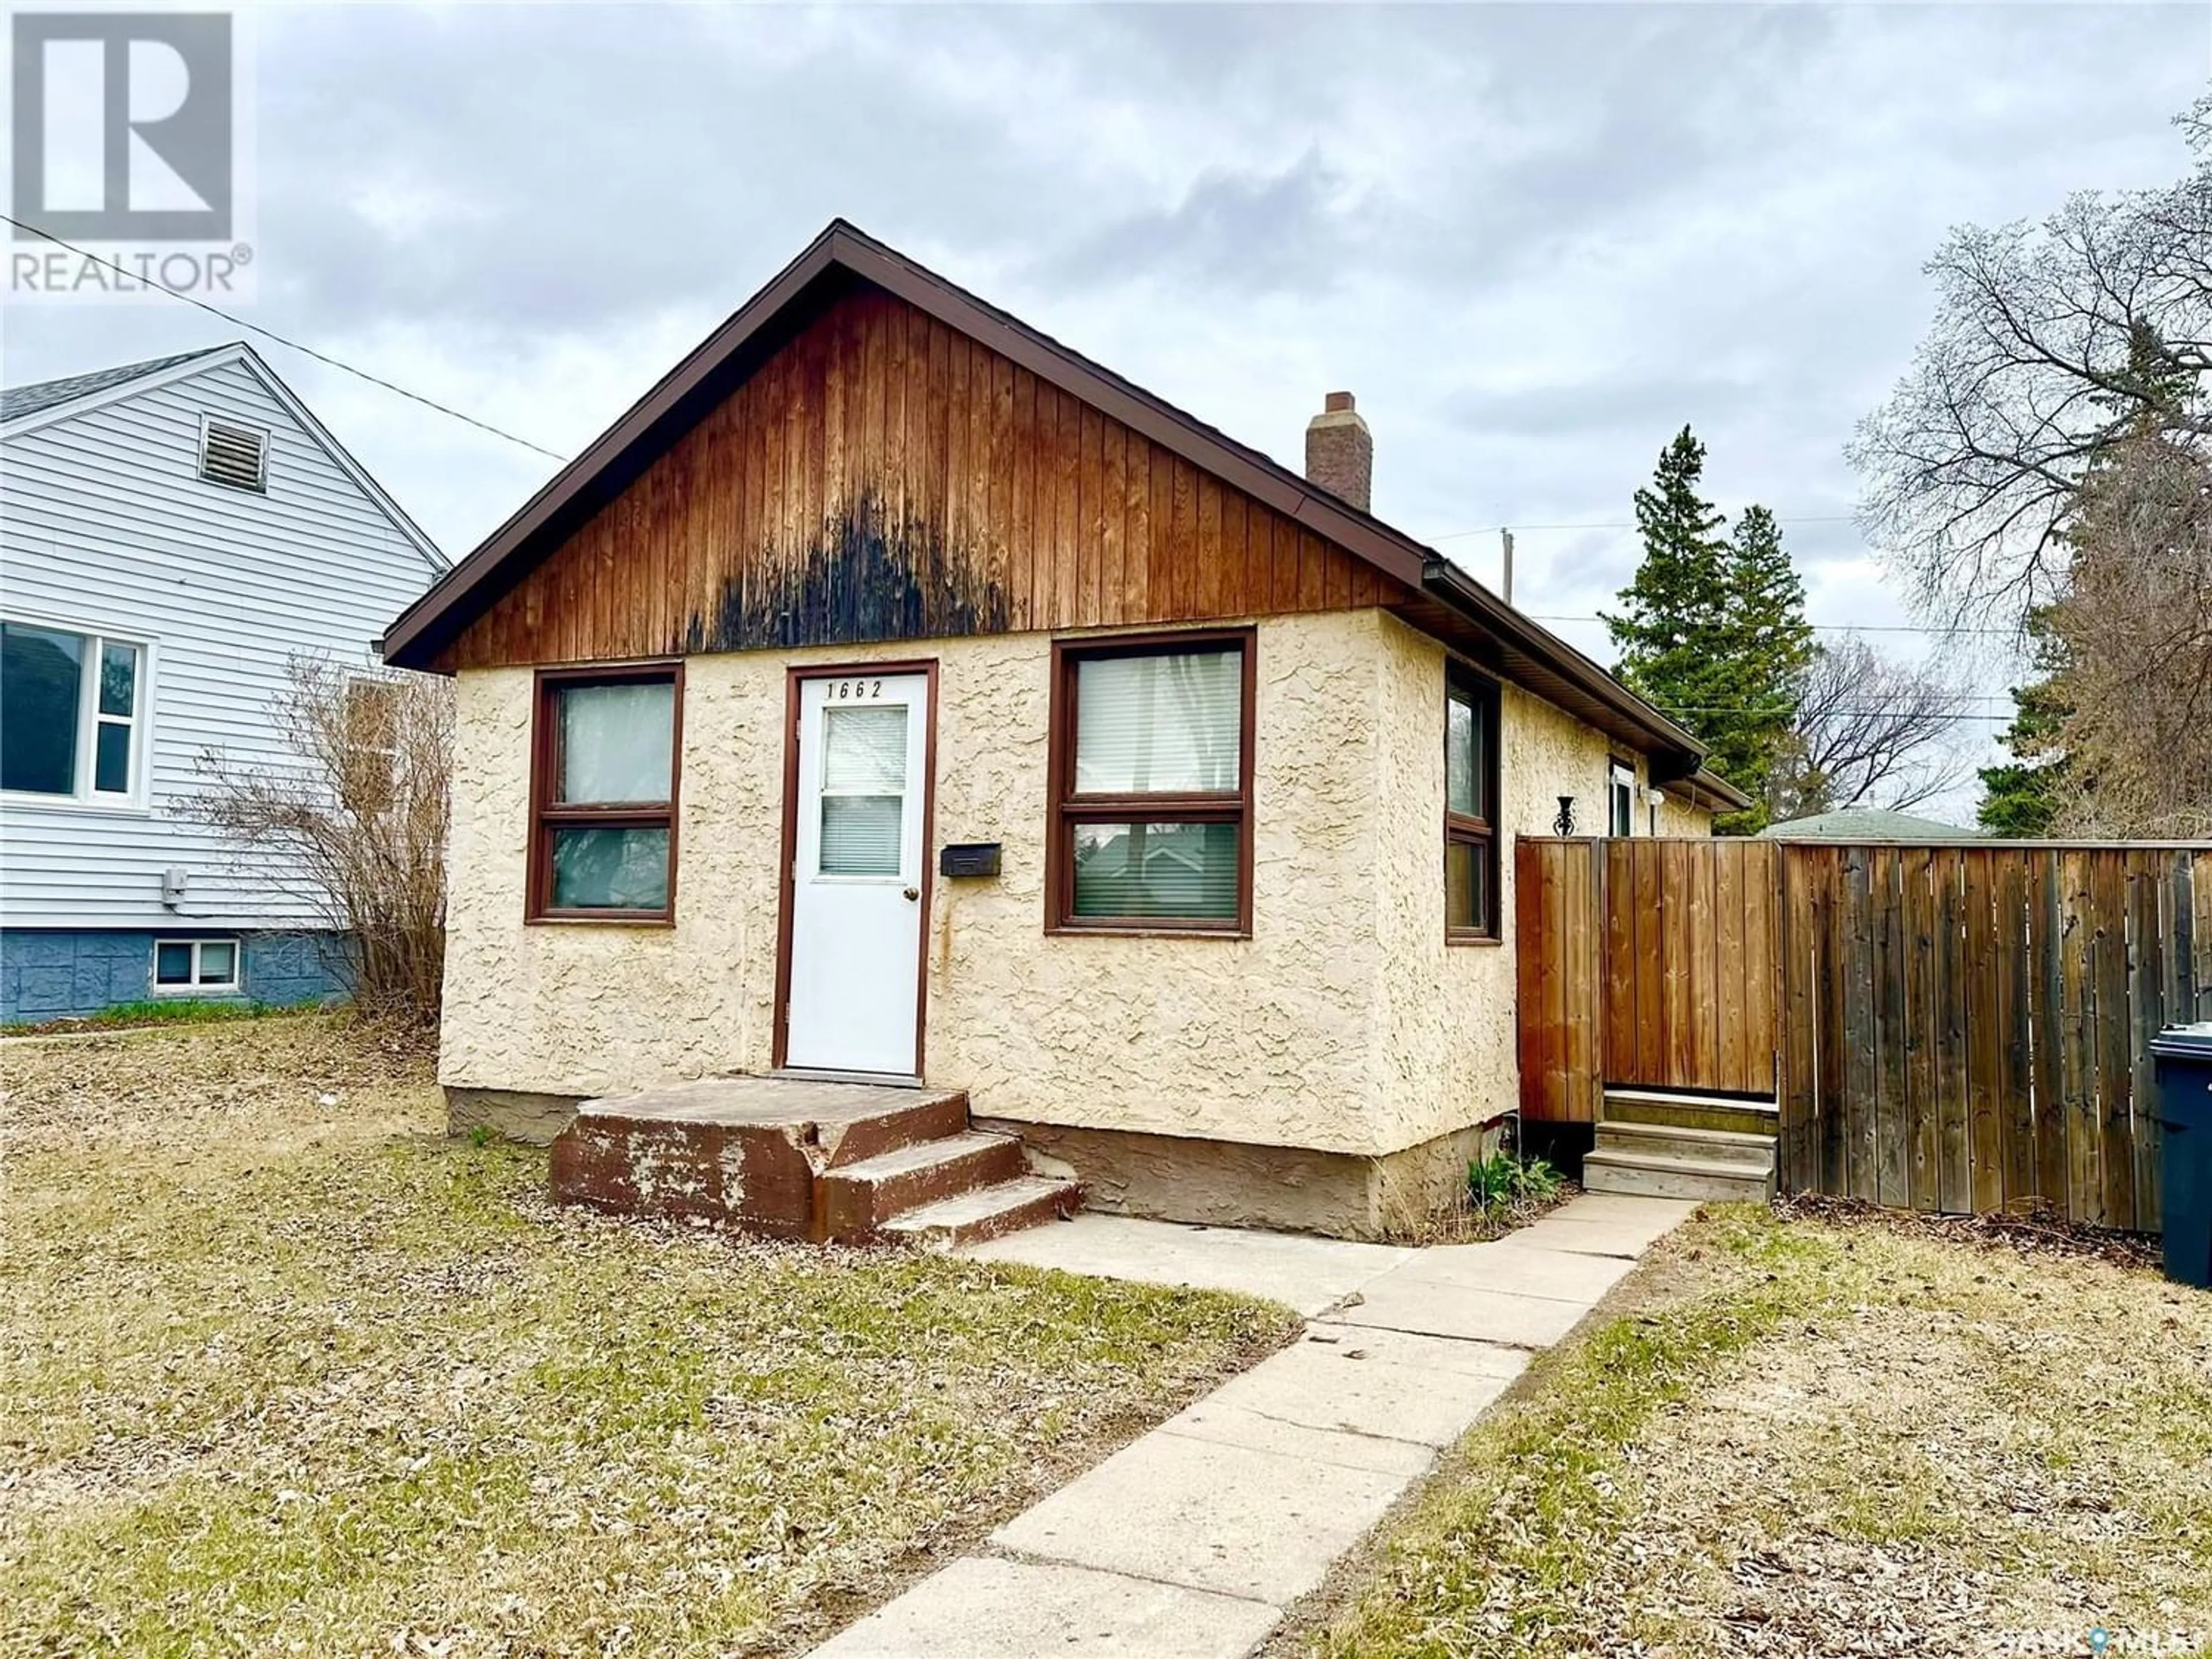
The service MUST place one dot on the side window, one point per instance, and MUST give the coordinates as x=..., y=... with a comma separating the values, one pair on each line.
x=1621, y=794
x=370, y=759
x=603, y=788
x=1471, y=788
x=72, y=715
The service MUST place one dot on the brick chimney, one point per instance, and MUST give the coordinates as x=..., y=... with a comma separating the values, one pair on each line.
x=1340, y=453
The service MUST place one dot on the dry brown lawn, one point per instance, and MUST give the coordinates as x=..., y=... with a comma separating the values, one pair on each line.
x=1828, y=1436
x=282, y=1369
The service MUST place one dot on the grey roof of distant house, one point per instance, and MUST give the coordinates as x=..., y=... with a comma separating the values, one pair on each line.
x=1866, y=824
x=18, y=401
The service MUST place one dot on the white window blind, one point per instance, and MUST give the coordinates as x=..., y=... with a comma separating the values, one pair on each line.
x=1163, y=725
x=616, y=743
x=863, y=790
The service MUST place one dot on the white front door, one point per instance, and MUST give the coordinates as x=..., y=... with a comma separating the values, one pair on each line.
x=856, y=881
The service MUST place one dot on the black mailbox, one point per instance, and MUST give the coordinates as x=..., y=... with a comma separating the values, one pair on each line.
x=971, y=858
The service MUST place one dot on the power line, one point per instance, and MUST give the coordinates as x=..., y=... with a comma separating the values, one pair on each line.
x=1623, y=524
x=1829, y=627
x=272, y=334
x=1872, y=711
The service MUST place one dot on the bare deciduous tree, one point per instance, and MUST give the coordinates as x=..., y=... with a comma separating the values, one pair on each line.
x=1870, y=731
x=354, y=821
x=2136, y=624
x=2051, y=341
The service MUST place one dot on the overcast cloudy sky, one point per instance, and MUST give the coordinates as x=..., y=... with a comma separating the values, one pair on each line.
x=1533, y=240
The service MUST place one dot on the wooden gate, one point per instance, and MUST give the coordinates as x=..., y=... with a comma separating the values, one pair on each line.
x=1946, y=1027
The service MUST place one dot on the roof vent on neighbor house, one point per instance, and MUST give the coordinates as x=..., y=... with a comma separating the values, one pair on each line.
x=1340, y=452
x=233, y=454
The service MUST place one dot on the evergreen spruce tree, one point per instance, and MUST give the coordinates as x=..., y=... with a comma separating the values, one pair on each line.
x=1712, y=629
x=1770, y=648
x=2022, y=796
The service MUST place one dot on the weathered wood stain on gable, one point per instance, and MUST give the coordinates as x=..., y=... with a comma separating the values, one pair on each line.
x=885, y=477
x=865, y=577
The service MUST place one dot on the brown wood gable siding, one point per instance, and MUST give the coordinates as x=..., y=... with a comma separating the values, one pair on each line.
x=885, y=477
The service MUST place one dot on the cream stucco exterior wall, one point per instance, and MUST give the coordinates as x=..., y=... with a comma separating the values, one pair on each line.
x=1678, y=816
x=1446, y=1026
x=1344, y=1024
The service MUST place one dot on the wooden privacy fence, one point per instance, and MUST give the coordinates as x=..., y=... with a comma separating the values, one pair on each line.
x=1945, y=1027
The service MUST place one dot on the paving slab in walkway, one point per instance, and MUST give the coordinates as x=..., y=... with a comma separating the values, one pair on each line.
x=1193, y=1542
x=1442, y=1308
x=985, y=1607
x=1524, y=1269
x=1423, y=1389
x=1305, y=1273
x=1262, y=1525
x=1606, y=1224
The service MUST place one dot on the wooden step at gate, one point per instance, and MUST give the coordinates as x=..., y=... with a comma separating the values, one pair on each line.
x=1669, y=1144
x=1686, y=1111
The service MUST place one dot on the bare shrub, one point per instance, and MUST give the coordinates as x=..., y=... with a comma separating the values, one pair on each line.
x=1870, y=731
x=2052, y=342
x=354, y=821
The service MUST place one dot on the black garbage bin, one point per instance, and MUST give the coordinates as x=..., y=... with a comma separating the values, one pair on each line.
x=2184, y=1055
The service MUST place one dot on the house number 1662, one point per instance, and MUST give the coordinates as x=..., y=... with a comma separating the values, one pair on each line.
x=848, y=689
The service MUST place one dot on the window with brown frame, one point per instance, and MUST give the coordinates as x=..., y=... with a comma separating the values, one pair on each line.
x=1470, y=808
x=603, y=792
x=1152, y=784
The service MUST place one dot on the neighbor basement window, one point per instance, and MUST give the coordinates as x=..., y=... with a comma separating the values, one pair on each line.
x=1470, y=808
x=603, y=792
x=1151, y=791
x=192, y=966
x=72, y=708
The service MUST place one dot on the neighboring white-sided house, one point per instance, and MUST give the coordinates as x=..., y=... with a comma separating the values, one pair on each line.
x=172, y=534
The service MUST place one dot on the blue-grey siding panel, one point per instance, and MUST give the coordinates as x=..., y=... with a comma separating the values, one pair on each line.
x=67, y=974
x=107, y=526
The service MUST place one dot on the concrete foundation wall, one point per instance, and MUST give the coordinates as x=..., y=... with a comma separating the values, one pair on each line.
x=1231, y=1184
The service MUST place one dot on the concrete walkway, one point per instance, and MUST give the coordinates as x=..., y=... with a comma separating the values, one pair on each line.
x=1191, y=1542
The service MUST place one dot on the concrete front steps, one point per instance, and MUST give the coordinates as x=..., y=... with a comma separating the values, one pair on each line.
x=1658, y=1145
x=787, y=1158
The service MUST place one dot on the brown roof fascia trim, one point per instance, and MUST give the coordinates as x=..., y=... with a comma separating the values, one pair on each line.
x=1714, y=794
x=1480, y=605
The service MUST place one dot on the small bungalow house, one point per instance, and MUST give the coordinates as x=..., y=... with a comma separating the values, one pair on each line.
x=893, y=693
x=174, y=533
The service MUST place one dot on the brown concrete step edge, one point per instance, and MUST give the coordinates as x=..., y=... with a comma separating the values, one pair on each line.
x=932, y=1117
x=987, y=1212
x=858, y=1199
x=686, y=1162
